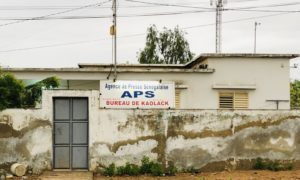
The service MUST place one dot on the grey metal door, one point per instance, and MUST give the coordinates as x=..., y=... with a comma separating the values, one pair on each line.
x=70, y=139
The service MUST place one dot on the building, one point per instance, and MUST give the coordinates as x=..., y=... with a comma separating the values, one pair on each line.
x=217, y=109
x=210, y=81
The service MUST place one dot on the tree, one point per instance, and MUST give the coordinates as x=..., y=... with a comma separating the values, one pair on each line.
x=11, y=91
x=14, y=94
x=166, y=47
x=33, y=92
x=295, y=94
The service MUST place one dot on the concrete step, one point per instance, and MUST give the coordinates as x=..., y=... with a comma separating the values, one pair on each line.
x=66, y=175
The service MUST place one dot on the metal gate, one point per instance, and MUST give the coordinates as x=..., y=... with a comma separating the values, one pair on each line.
x=70, y=136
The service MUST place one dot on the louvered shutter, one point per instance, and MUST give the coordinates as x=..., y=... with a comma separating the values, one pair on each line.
x=177, y=98
x=226, y=100
x=241, y=100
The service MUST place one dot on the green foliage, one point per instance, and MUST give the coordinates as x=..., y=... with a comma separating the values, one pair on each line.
x=34, y=92
x=157, y=169
x=11, y=91
x=14, y=94
x=192, y=170
x=272, y=165
x=110, y=170
x=171, y=169
x=295, y=94
x=166, y=47
x=150, y=167
x=146, y=165
x=259, y=164
x=128, y=169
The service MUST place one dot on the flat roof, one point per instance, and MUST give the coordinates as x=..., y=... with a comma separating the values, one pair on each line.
x=195, y=60
x=202, y=57
x=188, y=67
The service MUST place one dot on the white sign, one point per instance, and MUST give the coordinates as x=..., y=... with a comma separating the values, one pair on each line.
x=137, y=94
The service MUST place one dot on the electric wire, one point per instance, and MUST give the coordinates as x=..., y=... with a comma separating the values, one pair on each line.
x=197, y=7
x=138, y=34
x=149, y=14
x=249, y=9
x=56, y=13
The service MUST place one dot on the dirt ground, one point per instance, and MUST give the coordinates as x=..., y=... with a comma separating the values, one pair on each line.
x=236, y=175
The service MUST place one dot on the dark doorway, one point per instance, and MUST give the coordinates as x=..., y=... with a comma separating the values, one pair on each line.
x=70, y=134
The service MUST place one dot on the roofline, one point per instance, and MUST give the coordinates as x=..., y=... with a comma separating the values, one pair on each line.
x=200, y=58
x=90, y=65
x=108, y=70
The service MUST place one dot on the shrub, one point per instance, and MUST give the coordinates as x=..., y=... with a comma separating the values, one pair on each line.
x=146, y=165
x=272, y=166
x=259, y=164
x=171, y=169
x=110, y=170
x=128, y=169
x=156, y=169
x=192, y=170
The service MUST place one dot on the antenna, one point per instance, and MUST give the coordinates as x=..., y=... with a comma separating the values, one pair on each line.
x=219, y=8
x=255, y=31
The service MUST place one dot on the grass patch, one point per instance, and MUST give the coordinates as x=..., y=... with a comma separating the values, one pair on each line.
x=260, y=164
x=147, y=167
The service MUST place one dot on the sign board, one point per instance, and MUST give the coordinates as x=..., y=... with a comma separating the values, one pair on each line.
x=137, y=94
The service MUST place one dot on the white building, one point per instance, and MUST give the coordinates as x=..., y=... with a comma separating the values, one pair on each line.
x=210, y=81
x=74, y=129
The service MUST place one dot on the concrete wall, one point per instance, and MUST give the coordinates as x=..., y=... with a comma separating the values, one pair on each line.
x=25, y=136
x=268, y=76
x=204, y=139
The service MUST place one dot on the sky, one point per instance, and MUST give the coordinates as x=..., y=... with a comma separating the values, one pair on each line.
x=77, y=31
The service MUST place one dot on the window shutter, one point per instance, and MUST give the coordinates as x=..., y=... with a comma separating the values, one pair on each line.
x=241, y=100
x=177, y=98
x=226, y=100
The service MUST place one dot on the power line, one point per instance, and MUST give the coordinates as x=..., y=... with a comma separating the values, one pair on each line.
x=238, y=20
x=198, y=7
x=270, y=5
x=14, y=8
x=53, y=14
x=109, y=16
x=173, y=5
x=250, y=9
x=68, y=43
x=139, y=34
x=148, y=14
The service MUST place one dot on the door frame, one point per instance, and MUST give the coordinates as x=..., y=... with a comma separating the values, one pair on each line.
x=53, y=132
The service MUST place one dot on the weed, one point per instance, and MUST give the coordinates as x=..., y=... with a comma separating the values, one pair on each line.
x=128, y=169
x=156, y=169
x=110, y=170
x=259, y=164
x=192, y=170
x=171, y=169
x=272, y=166
x=146, y=165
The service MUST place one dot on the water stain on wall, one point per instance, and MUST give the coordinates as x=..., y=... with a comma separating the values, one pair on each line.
x=13, y=143
x=7, y=130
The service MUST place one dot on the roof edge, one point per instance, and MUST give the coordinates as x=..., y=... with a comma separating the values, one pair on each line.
x=202, y=57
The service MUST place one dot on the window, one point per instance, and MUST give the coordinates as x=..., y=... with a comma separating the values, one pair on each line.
x=233, y=100
x=177, y=98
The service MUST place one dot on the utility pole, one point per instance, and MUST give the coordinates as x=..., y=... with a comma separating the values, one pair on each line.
x=219, y=8
x=113, y=32
x=255, y=29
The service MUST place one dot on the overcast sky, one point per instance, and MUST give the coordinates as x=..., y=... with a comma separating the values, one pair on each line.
x=60, y=42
